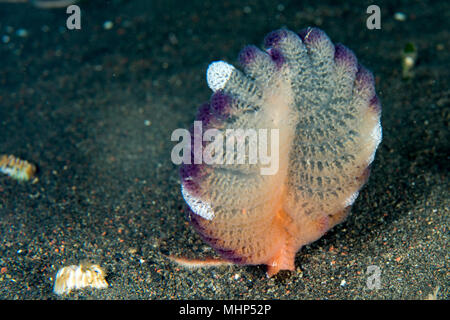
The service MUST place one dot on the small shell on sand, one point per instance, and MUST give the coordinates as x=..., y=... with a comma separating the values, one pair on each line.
x=16, y=168
x=79, y=277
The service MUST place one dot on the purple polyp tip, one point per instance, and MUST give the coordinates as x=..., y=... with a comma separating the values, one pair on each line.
x=220, y=102
x=375, y=104
x=273, y=38
x=339, y=52
x=364, y=76
x=230, y=255
x=191, y=176
x=192, y=186
x=277, y=57
x=189, y=171
x=247, y=55
x=204, y=113
x=343, y=53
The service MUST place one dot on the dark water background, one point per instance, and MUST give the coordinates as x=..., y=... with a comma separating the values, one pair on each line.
x=94, y=110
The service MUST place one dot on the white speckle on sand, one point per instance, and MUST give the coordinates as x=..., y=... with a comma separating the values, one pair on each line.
x=107, y=25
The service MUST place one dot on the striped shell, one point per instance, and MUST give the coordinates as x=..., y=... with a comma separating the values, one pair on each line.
x=16, y=168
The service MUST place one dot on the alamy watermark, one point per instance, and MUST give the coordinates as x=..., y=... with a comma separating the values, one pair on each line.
x=74, y=20
x=374, y=20
x=228, y=147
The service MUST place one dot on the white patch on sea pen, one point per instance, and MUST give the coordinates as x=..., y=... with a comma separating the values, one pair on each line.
x=201, y=208
x=218, y=74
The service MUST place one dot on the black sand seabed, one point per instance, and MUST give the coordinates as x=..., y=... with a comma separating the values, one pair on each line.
x=76, y=103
